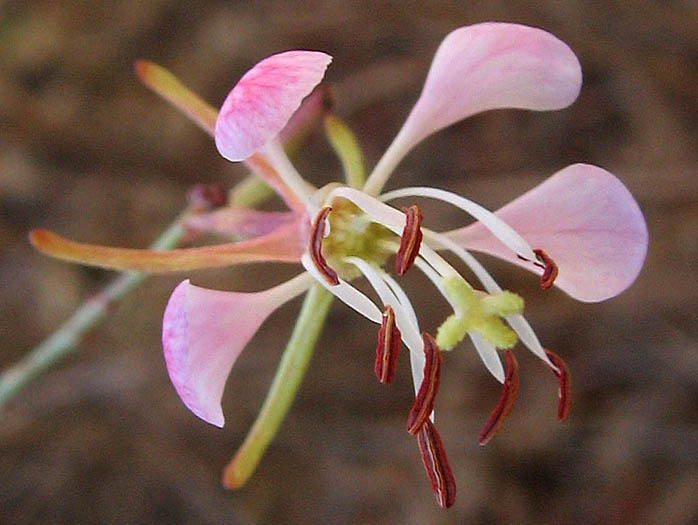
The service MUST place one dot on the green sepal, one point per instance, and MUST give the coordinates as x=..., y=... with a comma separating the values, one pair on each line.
x=347, y=148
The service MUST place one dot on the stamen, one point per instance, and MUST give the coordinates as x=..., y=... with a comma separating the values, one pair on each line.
x=345, y=292
x=492, y=222
x=406, y=322
x=436, y=464
x=506, y=400
x=549, y=271
x=424, y=404
x=402, y=298
x=388, y=347
x=565, y=393
x=394, y=221
x=317, y=232
x=410, y=240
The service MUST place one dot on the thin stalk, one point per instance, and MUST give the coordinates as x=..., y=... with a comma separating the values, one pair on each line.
x=66, y=339
x=289, y=375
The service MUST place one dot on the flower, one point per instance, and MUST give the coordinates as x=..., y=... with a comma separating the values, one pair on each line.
x=581, y=229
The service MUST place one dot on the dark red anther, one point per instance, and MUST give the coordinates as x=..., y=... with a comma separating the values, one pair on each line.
x=316, y=234
x=424, y=404
x=506, y=400
x=436, y=464
x=410, y=241
x=549, y=269
x=388, y=347
x=565, y=393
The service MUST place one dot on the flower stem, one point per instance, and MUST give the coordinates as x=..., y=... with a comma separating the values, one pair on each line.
x=283, y=390
x=66, y=339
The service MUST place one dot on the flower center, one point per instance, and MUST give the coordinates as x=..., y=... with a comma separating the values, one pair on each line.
x=354, y=234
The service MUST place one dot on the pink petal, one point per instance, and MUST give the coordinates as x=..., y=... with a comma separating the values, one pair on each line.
x=490, y=66
x=264, y=100
x=204, y=332
x=586, y=220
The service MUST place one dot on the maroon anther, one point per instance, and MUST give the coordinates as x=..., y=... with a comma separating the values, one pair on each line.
x=565, y=393
x=549, y=269
x=410, y=241
x=388, y=347
x=506, y=400
x=317, y=231
x=436, y=464
x=424, y=403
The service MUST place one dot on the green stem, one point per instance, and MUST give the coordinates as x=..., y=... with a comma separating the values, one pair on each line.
x=66, y=339
x=283, y=390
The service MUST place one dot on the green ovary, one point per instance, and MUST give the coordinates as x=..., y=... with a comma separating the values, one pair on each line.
x=477, y=312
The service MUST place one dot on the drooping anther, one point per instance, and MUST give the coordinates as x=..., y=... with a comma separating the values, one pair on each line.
x=424, y=403
x=506, y=400
x=549, y=269
x=410, y=241
x=436, y=464
x=317, y=232
x=565, y=393
x=388, y=347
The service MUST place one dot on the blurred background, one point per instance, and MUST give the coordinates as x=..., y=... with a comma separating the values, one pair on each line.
x=89, y=152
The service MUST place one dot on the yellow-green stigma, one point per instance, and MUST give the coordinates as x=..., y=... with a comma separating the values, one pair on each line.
x=353, y=233
x=477, y=312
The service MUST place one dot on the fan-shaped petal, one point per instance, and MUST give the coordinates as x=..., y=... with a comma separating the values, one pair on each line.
x=264, y=99
x=482, y=67
x=204, y=332
x=586, y=220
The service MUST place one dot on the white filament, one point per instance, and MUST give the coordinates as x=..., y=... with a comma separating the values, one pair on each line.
x=346, y=293
x=497, y=226
x=394, y=220
x=410, y=332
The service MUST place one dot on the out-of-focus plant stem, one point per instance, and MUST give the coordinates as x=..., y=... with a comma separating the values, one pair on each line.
x=66, y=339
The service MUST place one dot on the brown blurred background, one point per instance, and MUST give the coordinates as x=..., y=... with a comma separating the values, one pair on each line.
x=89, y=152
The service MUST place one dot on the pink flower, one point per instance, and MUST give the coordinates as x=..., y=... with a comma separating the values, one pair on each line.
x=581, y=229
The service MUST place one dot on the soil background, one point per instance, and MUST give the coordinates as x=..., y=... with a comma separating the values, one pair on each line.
x=87, y=151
